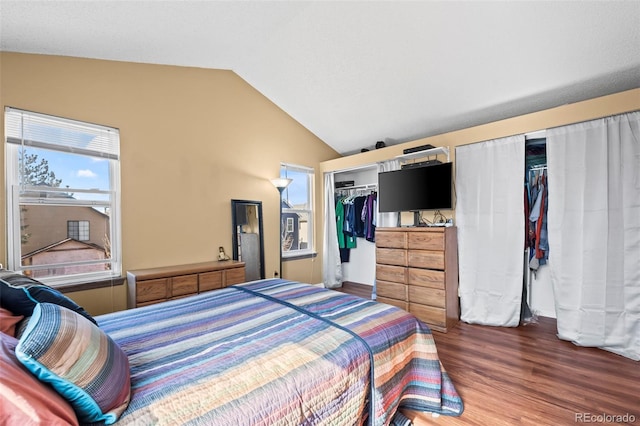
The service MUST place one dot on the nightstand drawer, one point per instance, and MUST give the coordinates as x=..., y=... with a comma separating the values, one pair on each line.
x=184, y=285
x=234, y=276
x=210, y=281
x=150, y=290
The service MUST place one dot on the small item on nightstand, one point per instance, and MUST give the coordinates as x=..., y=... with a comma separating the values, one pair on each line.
x=221, y=254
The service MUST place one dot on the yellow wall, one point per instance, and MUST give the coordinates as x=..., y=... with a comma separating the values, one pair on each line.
x=191, y=140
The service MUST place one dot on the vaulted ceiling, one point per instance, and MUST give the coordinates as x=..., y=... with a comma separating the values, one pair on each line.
x=357, y=72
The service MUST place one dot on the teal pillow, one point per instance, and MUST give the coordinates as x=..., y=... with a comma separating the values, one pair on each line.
x=80, y=361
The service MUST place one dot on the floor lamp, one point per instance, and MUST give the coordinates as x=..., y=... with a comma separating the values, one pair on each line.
x=281, y=184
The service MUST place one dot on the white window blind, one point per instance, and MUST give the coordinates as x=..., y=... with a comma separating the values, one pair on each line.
x=60, y=134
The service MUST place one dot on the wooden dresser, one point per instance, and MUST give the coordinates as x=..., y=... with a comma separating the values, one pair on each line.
x=153, y=285
x=417, y=270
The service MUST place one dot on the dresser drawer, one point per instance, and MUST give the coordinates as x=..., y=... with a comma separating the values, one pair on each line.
x=426, y=241
x=390, y=256
x=391, y=290
x=151, y=290
x=210, y=280
x=426, y=259
x=234, y=276
x=184, y=285
x=396, y=274
x=426, y=278
x=394, y=302
x=430, y=315
x=427, y=296
x=391, y=239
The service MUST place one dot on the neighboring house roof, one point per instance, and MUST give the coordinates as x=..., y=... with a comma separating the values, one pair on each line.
x=287, y=205
x=64, y=195
x=61, y=243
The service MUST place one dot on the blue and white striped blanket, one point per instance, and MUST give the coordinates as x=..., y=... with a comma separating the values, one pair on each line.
x=275, y=352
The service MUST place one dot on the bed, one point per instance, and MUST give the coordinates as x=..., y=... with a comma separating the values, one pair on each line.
x=276, y=352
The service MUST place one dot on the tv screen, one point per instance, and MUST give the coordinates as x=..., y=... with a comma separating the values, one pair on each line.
x=412, y=189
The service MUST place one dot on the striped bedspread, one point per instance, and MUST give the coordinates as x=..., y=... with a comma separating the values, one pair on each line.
x=275, y=352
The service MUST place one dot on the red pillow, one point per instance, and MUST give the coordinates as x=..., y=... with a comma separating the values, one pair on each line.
x=23, y=398
x=8, y=322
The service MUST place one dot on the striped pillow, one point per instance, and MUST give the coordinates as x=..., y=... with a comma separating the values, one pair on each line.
x=79, y=360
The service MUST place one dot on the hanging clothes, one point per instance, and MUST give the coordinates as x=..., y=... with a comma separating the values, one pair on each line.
x=537, y=218
x=355, y=218
x=369, y=214
x=359, y=225
x=346, y=241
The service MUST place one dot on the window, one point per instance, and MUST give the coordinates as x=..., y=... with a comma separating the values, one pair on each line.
x=297, y=211
x=62, y=181
x=78, y=230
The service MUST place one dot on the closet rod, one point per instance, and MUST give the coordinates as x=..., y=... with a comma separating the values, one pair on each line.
x=368, y=185
x=535, y=168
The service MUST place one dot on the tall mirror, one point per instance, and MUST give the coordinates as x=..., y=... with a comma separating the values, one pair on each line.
x=248, y=244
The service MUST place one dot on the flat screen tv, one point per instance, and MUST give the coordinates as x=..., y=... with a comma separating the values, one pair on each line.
x=417, y=188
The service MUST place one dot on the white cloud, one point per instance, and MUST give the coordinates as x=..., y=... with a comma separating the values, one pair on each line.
x=86, y=173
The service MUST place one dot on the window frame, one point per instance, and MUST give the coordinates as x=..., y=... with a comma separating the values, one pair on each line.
x=19, y=195
x=285, y=168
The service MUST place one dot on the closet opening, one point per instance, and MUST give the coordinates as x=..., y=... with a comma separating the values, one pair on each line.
x=537, y=292
x=355, y=198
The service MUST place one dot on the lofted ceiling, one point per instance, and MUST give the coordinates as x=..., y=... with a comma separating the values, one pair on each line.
x=358, y=72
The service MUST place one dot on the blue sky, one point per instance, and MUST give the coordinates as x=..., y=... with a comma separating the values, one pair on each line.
x=76, y=171
x=296, y=192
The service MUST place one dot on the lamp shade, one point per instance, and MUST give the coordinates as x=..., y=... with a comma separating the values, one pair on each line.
x=281, y=183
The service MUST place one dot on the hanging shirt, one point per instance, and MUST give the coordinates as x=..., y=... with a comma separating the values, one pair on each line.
x=358, y=205
x=369, y=217
x=340, y=222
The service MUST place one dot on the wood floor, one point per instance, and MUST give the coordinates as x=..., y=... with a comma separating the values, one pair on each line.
x=527, y=376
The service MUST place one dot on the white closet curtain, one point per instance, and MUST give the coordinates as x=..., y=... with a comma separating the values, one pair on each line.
x=388, y=219
x=594, y=232
x=331, y=264
x=490, y=221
